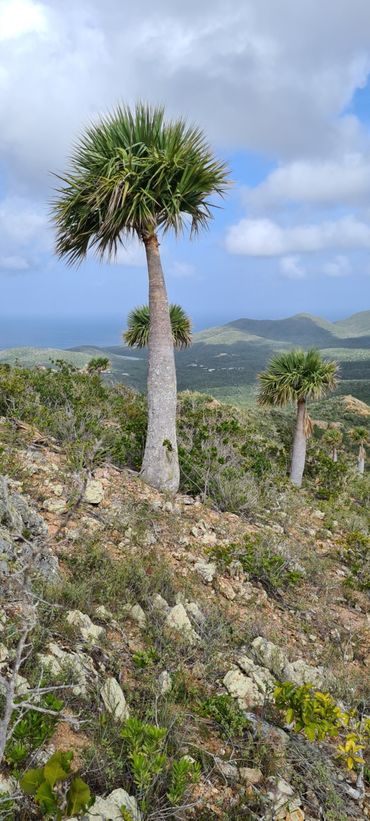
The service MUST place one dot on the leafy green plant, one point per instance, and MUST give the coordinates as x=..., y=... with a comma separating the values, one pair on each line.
x=356, y=554
x=226, y=713
x=32, y=731
x=262, y=563
x=47, y=787
x=317, y=715
x=151, y=767
x=145, y=658
x=184, y=770
x=144, y=744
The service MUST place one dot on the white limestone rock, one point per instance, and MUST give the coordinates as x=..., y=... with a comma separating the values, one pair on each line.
x=55, y=505
x=80, y=666
x=94, y=492
x=206, y=570
x=269, y=655
x=243, y=689
x=178, y=621
x=109, y=808
x=89, y=631
x=114, y=700
x=160, y=604
x=137, y=614
x=164, y=683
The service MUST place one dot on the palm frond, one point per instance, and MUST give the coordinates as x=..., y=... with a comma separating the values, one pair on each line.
x=133, y=173
x=296, y=375
x=138, y=325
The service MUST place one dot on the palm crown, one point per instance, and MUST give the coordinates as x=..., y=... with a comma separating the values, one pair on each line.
x=360, y=435
x=333, y=437
x=296, y=376
x=138, y=322
x=131, y=174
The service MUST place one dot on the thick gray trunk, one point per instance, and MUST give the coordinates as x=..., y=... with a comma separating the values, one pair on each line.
x=361, y=461
x=160, y=466
x=335, y=455
x=299, y=446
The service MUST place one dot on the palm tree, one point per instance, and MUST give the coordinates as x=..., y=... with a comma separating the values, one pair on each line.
x=98, y=364
x=333, y=439
x=138, y=325
x=297, y=376
x=360, y=436
x=135, y=175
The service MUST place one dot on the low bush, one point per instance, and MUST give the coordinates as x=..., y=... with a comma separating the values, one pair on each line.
x=224, y=710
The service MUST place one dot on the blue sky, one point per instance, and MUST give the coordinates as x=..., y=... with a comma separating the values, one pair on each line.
x=285, y=98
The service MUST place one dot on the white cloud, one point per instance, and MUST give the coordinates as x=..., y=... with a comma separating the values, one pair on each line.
x=14, y=263
x=292, y=268
x=265, y=238
x=19, y=17
x=339, y=266
x=345, y=180
x=255, y=75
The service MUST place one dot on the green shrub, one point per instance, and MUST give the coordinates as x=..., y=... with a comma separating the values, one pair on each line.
x=225, y=712
x=317, y=715
x=150, y=764
x=31, y=731
x=47, y=787
x=262, y=562
x=356, y=555
x=184, y=771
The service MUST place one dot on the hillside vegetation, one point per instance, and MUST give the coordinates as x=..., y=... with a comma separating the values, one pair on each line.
x=203, y=656
x=224, y=361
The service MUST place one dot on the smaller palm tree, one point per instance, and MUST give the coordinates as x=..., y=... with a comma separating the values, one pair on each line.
x=360, y=436
x=138, y=324
x=333, y=439
x=297, y=376
x=98, y=364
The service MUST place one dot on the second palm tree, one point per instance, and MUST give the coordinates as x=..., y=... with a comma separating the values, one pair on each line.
x=295, y=377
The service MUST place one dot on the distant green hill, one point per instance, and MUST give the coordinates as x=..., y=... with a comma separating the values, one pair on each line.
x=224, y=361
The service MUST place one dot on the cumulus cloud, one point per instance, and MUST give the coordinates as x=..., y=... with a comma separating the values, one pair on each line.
x=265, y=238
x=339, y=266
x=20, y=17
x=292, y=268
x=344, y=180
x=256, y=75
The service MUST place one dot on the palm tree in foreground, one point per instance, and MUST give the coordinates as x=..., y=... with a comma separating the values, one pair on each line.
x=297, y=376
x=135, y=175
x=138, y=326
x=360, y=436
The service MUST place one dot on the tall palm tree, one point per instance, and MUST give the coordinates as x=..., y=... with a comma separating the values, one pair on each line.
x=360, y=436
x=138, y=326
x=333, y=439
x=133, y=174
x=297, y=376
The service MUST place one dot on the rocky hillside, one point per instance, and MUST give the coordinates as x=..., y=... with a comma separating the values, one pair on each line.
x=147, y=636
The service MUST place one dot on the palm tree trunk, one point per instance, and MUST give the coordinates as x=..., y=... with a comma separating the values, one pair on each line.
x=299, y=446
x=361, y=461
x=160, y=466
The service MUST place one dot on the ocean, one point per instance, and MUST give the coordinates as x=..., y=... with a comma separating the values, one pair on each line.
x=70, y=331
x=60, y=332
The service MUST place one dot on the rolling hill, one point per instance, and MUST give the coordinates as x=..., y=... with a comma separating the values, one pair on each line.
x=224, y=361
